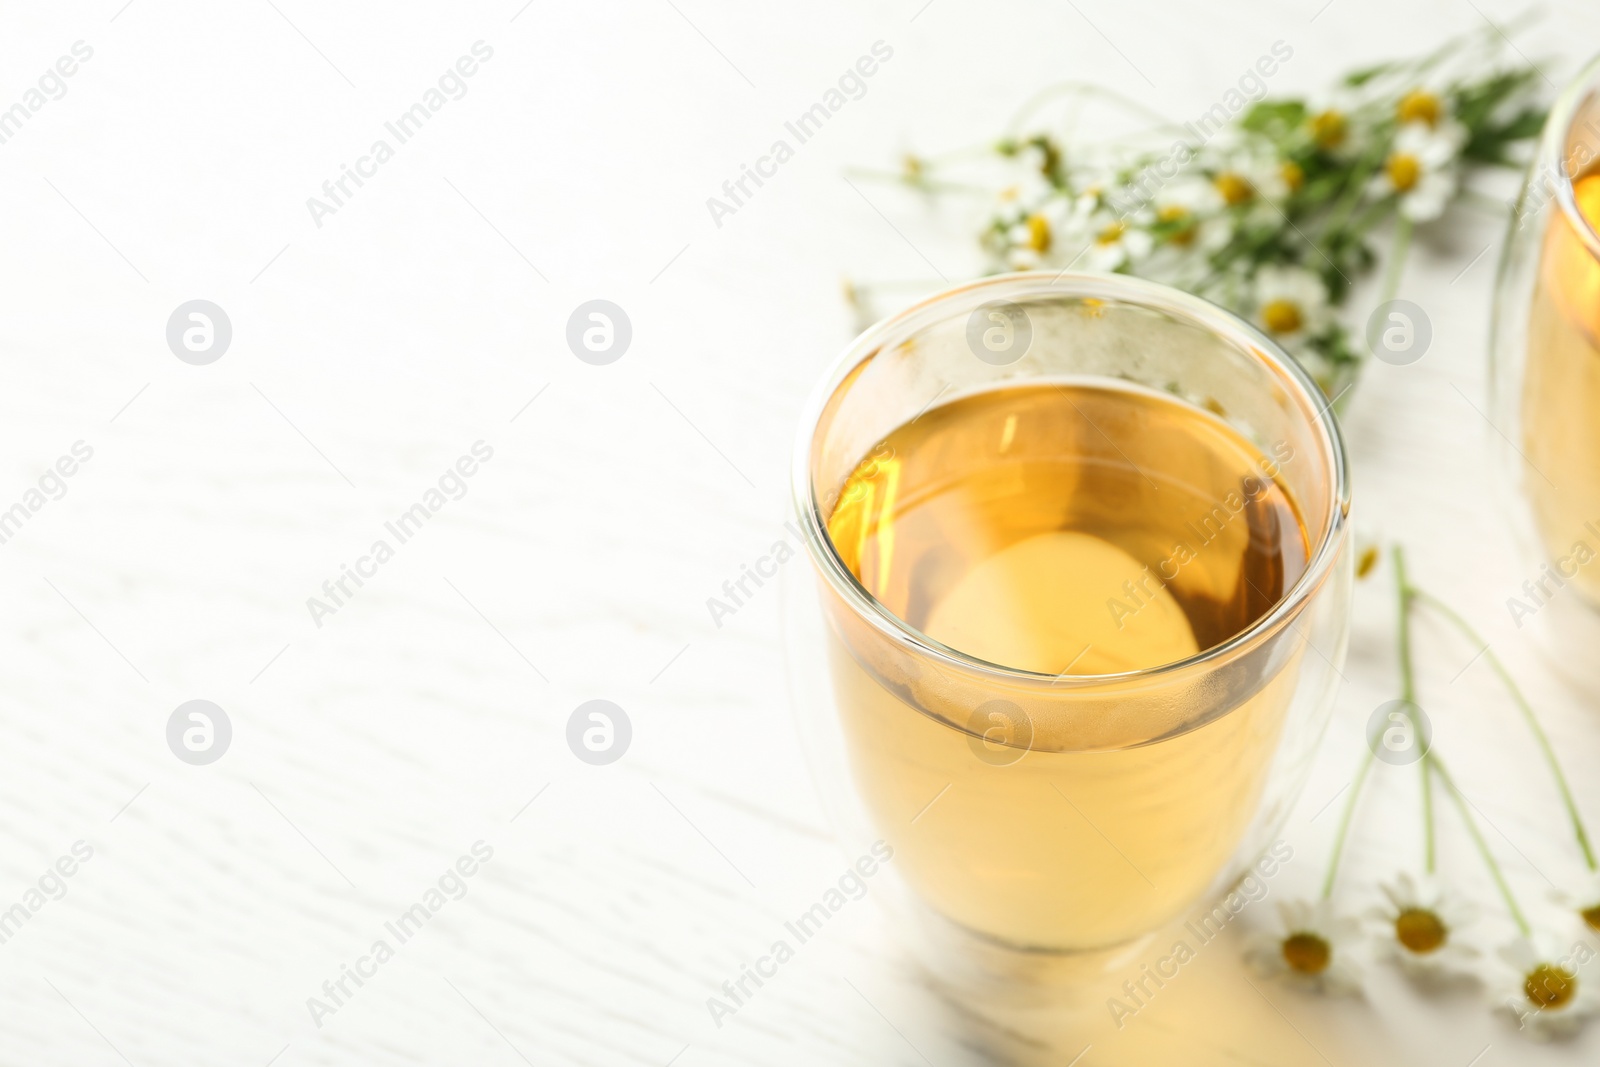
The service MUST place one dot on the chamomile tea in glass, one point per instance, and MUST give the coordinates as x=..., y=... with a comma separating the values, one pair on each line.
x=1546, y=361
x=1080, y=556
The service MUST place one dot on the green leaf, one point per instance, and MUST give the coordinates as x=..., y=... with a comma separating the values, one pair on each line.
x=1529, y=123
x=1357, y=78
x=1474, y=103
x=1268, y=116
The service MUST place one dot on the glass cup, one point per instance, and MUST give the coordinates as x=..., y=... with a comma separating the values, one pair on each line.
x=1031, y=816
x=1545, y=376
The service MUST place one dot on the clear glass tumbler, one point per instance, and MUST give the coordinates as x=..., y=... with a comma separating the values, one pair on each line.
x=1545, y=376
x=1035, y=815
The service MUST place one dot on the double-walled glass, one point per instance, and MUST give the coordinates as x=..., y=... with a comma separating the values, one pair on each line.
x=1546, y=372
x=1060, y=813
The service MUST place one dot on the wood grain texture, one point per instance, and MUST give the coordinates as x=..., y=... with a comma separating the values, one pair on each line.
x=370, y=752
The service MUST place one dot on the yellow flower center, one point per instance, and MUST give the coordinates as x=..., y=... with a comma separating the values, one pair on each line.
x=1112, y=233
x=1235, y=188
x=1282, y=316
x=1419, y=105
x=1329, y=128
x=1307, y=953
x=1184, y=235
x=1549, y=986
x=1369, y=560
x=1039, y=234
x=1420, y=930
x=1403, y=171
x=1591, y=916
x=1293, y=176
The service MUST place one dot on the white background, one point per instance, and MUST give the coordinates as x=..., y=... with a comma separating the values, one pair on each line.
x=369, y=353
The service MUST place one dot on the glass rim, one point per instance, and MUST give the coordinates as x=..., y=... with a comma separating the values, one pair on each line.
x=1120, y=288
x=1553, y=149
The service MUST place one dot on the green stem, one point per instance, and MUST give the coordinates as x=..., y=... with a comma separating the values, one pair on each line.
x=977, y=151
x=1371, y=217
x=1483, y=846
x=1408, y=680
x=1344, y=823
x=1430, y=863
x=1530, y=718
x=1487, y=204
x=1085, y=89
x=929, y=185
x=1361, y=175
x=1397, y=258
x=1408, y=693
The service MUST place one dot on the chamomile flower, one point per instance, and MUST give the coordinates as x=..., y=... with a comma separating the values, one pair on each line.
x=1291, y=304
x=1111, y=242
x=1422, y=930
x=1293, y=175
x=1033, y=235
x=1041, y=157
x=1102, y=194
x=1187, y=221
x=1583, y=901
x=1421, y=169
x=1023, y=256
x=1235, y=187
x=1252, y=178
x=1332, y=130
x=1190, y=212
x=1026, y=223
x=1368, y=558
x=1311, y=947
x=1338, y=123
x=1092, y=189
x=1270, y=176
x=1543, y=990
x=1029, y=190
x=1424, y=107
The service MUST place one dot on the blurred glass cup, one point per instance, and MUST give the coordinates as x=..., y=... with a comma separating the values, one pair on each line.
x=1545, y=372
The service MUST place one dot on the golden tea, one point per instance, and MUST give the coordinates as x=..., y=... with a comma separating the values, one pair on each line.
x=1070, y=529
x=1065, y=529
x=1561, y=400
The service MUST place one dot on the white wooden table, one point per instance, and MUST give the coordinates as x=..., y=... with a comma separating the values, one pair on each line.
x=429, y=711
